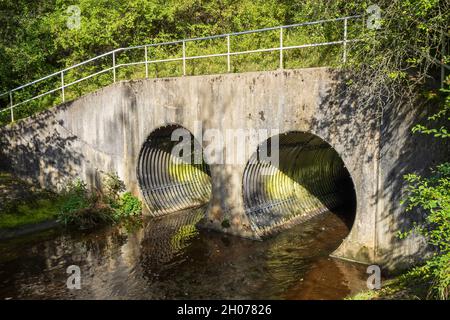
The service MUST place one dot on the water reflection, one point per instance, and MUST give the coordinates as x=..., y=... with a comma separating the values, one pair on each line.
x=169, y=258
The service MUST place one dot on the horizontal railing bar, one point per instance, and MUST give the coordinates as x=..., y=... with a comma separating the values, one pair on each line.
x=293, y=25
x=272, y=28
x=227, y=35
x=6, y=109
x=36, y=81
x=241, y=32
x=57, y=89
x=179, y=42
x=130, y=64
x=244, y=52
x=36, y=97
x=90, y=60
x=64, y=70
x=88, y=77
x=319, y=44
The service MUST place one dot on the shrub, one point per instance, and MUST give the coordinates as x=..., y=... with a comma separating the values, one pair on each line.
x=128, y=206
x=430, y=197
x=112, y=187
x=86, y=209
x=81, y=207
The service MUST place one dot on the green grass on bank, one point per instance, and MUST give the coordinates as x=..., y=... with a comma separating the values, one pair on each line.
x=30, y=213
x=410, y=285
x=22, y=203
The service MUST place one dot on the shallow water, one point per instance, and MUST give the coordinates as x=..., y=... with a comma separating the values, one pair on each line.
x=169, y=258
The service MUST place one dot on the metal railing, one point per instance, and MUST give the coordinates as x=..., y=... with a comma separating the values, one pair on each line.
x=229, y=53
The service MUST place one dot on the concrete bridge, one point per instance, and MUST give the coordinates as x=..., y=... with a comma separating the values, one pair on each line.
x=332, y=152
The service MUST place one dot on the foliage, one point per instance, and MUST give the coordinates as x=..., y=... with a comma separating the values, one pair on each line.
x=442, y=115
x=23, y=204
x=404, y=287
x=81, y=207
x=128, y=206
x=87, y=209
x=112, y=187
x=430, y=197
x=29, y=213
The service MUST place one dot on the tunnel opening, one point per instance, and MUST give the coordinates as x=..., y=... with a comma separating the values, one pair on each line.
x=310, y=178
x=171, y=178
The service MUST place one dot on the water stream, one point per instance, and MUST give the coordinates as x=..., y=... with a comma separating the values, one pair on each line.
x=169, y=258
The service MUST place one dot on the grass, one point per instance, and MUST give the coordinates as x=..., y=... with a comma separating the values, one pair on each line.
x=330, y=56
x=30, y=213
x=406, y=286
x=23, y=204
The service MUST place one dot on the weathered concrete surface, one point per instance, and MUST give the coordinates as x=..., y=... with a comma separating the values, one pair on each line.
x=104, y=132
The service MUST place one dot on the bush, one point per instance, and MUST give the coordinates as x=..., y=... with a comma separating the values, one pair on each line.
x=87, y=209
x=112, y=187
x=128, y=206
x=81, y=207
x=430, y=197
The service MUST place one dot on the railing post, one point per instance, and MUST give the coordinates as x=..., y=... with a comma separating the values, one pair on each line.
x=184, y=58
x=114, y=65
x=62, y=87
x=11, y=106
x=228, y=53
x=281, y=47
x=146, y=62
x=344, y=56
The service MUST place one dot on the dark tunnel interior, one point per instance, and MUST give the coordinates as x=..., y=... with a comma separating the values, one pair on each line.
x=172, y=182
x=310, y=178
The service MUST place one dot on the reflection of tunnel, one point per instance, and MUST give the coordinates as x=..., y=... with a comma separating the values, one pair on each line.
x=310, y=178
x=168, y=182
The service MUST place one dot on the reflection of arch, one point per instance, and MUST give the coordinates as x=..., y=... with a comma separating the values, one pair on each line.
x=166, y=237
x=309, y=179
x=170, y=183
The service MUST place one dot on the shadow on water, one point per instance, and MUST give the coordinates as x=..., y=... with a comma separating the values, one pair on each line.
x=170, y=258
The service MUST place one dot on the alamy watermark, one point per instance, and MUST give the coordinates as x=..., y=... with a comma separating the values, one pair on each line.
x=374, y=18
x=374, y=280
x=74, y=17
x=226, y=146
x=74, y=280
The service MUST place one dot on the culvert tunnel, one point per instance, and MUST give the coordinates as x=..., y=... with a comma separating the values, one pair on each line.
x=310, y=178
x=172, y=181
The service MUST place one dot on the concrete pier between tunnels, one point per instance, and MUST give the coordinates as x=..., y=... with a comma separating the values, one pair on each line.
x=119, y=129
x=308, y=179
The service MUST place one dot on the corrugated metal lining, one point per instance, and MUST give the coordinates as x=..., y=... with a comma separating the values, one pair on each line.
x=308, y=180
x=167, y=183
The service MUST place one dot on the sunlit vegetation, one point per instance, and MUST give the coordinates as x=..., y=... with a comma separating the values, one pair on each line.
x=85, y=209
x=394, y=64
x=21, y=204
x=45, y=44
x=75, y=205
